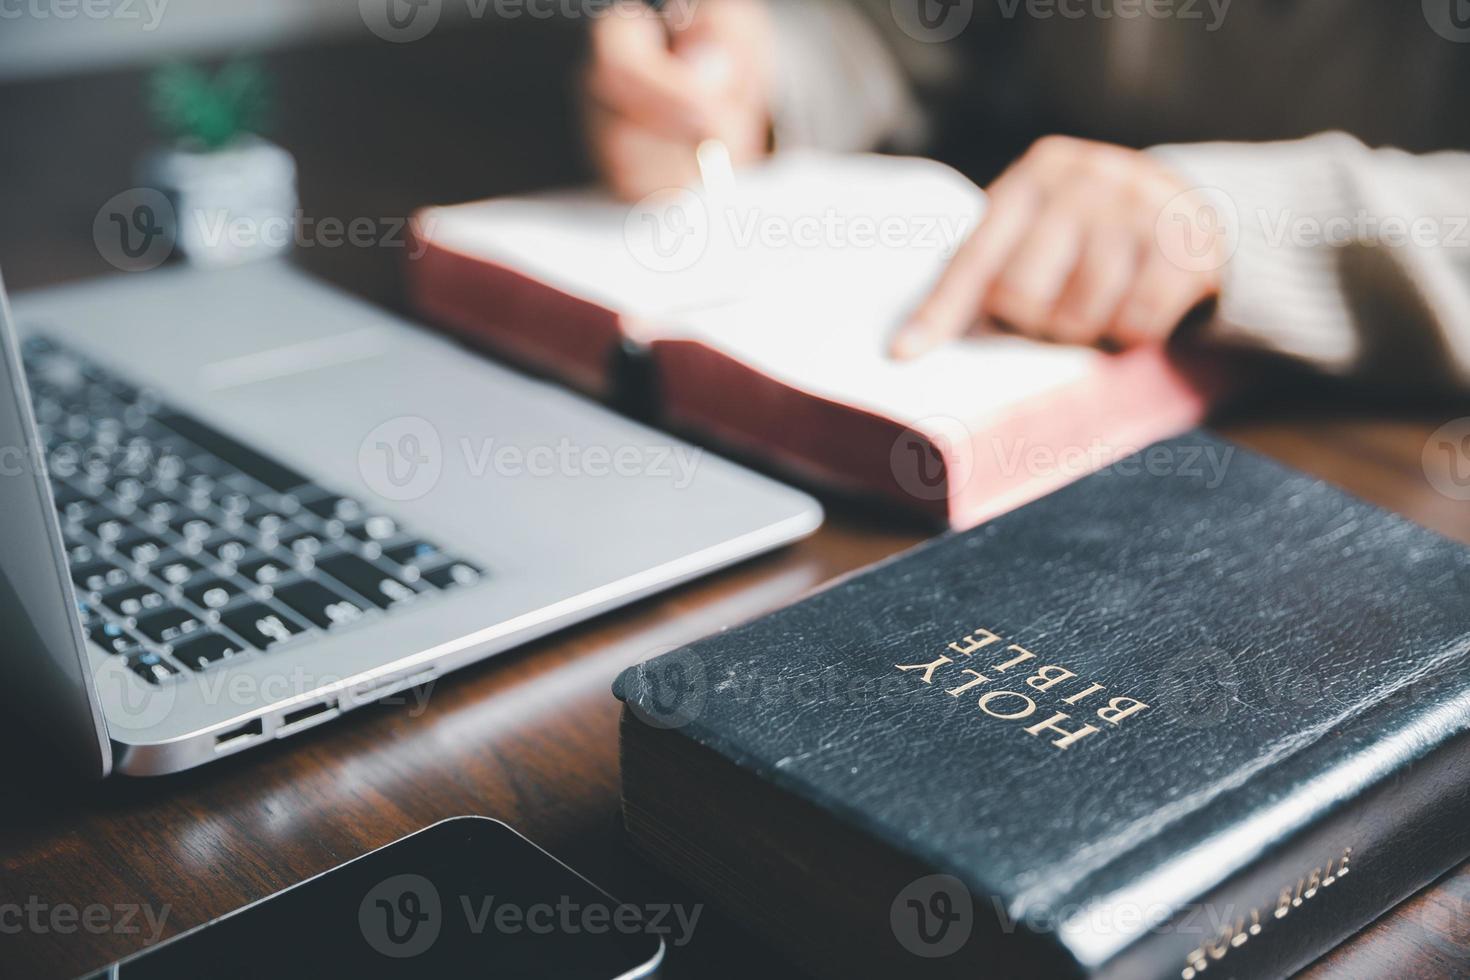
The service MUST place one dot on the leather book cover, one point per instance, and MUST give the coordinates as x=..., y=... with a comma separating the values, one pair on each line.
x=1195, y=715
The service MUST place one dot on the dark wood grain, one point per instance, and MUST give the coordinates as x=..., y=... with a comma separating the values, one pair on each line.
x=531, y=736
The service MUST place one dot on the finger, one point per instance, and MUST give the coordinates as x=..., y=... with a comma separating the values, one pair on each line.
x=728, y=47
x=1029, y=283
x=634, y=74
x=727, y=43
x=697, y=20
x=955, y=301
x=636, y=162
x=1100, y=282
x=1159, y=299
x=711, y=64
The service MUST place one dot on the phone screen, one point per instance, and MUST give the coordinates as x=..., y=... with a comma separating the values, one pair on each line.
x=464, y=898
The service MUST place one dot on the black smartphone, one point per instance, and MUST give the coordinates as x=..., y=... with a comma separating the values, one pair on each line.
x=465, y=898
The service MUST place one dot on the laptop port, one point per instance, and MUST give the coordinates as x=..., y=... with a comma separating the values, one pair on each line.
x=394, y=685
x=237, y=737
x=305, y=717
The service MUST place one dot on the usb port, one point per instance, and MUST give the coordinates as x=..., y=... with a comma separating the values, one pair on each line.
x=304, y=717
x=236, y=737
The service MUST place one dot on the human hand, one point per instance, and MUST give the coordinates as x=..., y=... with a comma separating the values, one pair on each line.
x=659, y=85
x=1080, y=245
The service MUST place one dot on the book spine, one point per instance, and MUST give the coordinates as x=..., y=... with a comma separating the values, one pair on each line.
x=1407, y=823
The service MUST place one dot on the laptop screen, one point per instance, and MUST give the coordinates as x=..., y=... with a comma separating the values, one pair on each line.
x=44, y=668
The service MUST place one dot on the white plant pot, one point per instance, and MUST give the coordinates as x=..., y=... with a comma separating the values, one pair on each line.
x=232, y=205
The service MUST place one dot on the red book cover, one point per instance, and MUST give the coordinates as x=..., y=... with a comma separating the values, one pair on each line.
x=768, y=342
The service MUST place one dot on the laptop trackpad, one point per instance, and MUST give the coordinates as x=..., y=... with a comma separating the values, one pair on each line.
x=299, y=357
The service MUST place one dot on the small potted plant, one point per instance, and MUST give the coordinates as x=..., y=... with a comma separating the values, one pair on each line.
x=233, y=192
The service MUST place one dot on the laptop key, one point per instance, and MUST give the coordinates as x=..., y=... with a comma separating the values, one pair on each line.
x=264, y=571
x=232, y=551
x=370, y=529
x=72, y=538
x=333, y=508
x=134, y=600
x=157, y=507
x=191, y=526
x=102, y=522
x=214, y=593
x=201, y=651
x=235, y=505
x=139, y=546
x=64, y=494
x=366, y=579
x=412, y=553
x=151, y=667
x=126, y=493
x=168, y=625
x=303, y=544
x=268, y=523
x=175, y=568
x=238, y=455
x=96, y=576
x=455, y=573
x=318, y=604
x=260, y=626
x=112, y=638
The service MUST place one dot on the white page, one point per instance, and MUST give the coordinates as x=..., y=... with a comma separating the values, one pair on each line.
x=804, y=273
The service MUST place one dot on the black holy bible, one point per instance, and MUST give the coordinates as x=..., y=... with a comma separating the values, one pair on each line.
x=1194, y=716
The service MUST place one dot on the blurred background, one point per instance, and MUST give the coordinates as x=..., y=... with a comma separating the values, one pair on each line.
x=481, y=105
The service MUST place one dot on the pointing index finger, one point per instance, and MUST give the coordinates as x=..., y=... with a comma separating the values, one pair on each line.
x=954, y=303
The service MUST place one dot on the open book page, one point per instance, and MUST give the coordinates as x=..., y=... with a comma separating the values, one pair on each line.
x=803, y=271
x=578, y=242
x=836, y=350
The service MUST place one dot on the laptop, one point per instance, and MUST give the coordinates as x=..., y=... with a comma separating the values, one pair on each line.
x=235, y=505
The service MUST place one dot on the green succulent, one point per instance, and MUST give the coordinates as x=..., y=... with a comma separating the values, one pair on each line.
x=206, y=111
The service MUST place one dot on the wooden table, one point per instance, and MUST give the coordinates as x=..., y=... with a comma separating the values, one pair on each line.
x=531, y=736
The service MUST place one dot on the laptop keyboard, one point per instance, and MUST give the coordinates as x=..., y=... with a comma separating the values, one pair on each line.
x=190, y=549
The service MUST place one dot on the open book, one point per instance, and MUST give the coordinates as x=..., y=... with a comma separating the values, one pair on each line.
x=765, y=308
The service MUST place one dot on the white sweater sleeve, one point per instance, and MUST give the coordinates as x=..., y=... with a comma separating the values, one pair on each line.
x=1354, y=260
x=841, y=82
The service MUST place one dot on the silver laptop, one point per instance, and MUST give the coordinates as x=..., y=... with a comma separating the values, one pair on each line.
x=234, y=505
